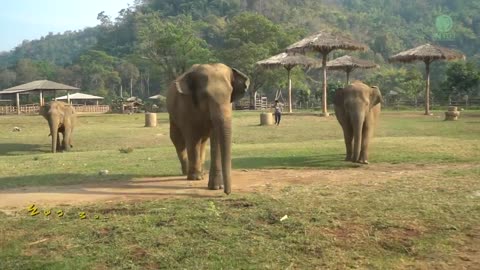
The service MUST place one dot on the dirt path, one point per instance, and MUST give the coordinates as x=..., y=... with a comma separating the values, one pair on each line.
x=177, y=187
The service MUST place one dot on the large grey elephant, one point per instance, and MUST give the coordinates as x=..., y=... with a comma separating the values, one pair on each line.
x=357, y=108
x=61, y=118
x=199, y=103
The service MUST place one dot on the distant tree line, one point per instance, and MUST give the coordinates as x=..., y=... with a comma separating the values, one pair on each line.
x=147, y=45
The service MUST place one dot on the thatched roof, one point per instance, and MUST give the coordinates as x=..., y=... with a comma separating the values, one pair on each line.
x=427, y=52
x=324, y=41
x=42, y=85
x=350, y=62
x=288, y=61
x=79, y=96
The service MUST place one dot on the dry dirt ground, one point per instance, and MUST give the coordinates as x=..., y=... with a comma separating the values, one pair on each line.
x=177, y=187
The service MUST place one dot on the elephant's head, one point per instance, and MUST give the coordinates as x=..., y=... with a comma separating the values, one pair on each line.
x=226, y=81
x=375, y=96
x=240, y=84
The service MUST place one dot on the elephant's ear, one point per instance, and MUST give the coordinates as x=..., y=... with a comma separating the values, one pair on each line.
x=338, y=101
x=240, y=84
x=182, y=84
x=191, y=84
x=376, y=96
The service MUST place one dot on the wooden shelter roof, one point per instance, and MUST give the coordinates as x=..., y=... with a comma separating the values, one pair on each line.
x=79, y=96
x=41, y=85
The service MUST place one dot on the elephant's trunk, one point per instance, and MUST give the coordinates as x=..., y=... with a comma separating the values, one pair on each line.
x=225, y=138
x=357, y=118
x=54, y=133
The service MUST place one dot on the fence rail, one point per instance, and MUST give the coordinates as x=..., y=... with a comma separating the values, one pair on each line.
x=24, y=109
x=92, y=108
x=35, y=109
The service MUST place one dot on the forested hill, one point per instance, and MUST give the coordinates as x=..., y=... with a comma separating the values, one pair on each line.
x=155, y=40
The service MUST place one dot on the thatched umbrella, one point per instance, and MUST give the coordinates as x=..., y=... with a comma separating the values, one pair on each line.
x=325, y=42
x=288, y=61
x=427, y=53
x=348, y=64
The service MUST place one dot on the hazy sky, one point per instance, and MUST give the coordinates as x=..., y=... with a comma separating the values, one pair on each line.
x=31, y=19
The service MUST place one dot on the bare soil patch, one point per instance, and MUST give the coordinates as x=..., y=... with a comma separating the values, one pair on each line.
x=178, y=187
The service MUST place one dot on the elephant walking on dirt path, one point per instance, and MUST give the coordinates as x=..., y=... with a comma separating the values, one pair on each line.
x=199, y=103
x=357, y=108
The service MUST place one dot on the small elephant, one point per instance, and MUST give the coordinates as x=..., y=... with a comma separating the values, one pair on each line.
x=357, y=108
x=61, y=118
x=199, y=104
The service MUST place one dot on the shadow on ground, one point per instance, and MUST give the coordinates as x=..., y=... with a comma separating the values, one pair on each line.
x=12, y=149
x=317, y=161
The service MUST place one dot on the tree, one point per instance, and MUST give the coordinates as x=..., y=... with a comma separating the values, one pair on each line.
x=128, y=73
x=173, y=44
x=26, y=71
x=7, y=78
x=98, y=72
x=252, y=37
x=463, y=78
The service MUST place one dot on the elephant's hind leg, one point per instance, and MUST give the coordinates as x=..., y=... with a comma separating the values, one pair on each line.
x=179, y=142
x=194, y=160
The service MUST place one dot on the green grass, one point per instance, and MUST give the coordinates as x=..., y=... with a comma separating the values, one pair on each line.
x=424, y=221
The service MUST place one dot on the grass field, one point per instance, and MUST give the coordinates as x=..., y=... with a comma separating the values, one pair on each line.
x=426, y=218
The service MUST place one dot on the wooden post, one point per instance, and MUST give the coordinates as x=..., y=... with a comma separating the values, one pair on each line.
x=68, y=97
x=427, y=87
x=324, y=83
x=41, y=97
x=289, y=91
x=18, y=103
x=266, y=119
x=150, y=119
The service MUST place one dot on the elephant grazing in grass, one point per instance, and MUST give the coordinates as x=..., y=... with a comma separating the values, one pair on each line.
x=357, y=108
x=61, y=118
x=199, y=103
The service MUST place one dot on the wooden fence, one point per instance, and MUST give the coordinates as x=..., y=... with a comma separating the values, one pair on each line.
x=92, y=108
x=24, y=109
x=35, y=108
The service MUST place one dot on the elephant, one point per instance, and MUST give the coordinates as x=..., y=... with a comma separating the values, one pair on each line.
x=62, y=119
x=199, y=103
x=357, y=109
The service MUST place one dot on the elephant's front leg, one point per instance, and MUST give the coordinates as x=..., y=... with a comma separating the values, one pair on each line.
x=194, y=160
x=215, y=179
x=366, y=136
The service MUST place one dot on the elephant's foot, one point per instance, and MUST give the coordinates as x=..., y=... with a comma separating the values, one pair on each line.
x=215, y=181
x=348, y=159
x=362, y=161
x=195, y=176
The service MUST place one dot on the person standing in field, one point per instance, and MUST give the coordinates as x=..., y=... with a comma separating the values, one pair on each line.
x=278, y=112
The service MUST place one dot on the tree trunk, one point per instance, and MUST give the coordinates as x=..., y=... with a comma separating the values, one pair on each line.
x=131, y=87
